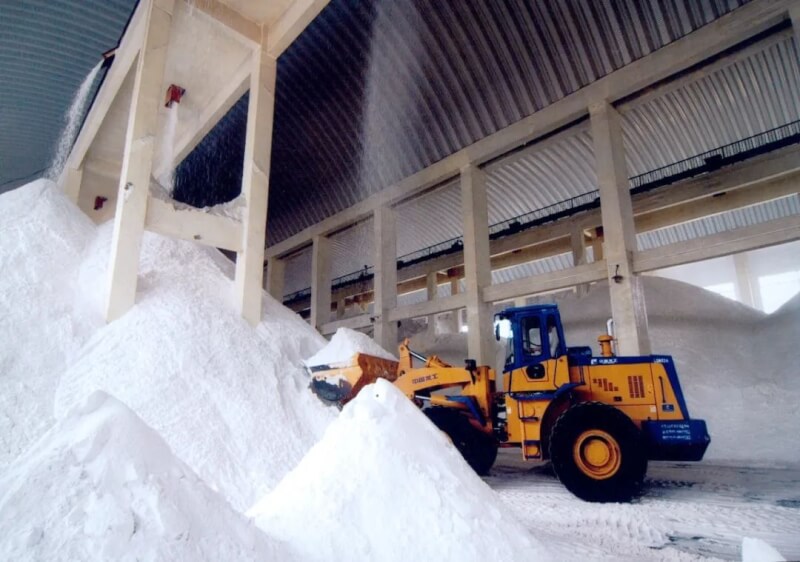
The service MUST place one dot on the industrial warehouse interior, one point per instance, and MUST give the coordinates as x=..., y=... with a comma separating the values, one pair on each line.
x=399, y=280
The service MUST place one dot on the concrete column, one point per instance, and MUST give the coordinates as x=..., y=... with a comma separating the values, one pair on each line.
x=578, y=243
x=597, y=244
x=432, y=289
x=320, y=281
x=455, y=288
x=72, y=183
x=255, y=184
x=477, y=268
x=746, y=291
x=627, y=294
x=137, y=162
x=385, y=281
x=276, y=276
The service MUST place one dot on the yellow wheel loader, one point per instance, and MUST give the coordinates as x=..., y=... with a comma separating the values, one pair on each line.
x=597, y=419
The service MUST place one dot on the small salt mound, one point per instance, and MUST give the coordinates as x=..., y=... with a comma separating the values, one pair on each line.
x=385, y=484
x=756, y=550
x=230, y=401
x=343, y=345
x=42, y=236
x=101, y=485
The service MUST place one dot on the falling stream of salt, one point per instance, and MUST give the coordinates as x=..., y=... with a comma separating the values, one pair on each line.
x=166, y=170
x=73, y=118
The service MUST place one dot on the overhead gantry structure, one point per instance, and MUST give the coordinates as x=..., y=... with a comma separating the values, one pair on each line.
x=218, y=50
x=621, y=263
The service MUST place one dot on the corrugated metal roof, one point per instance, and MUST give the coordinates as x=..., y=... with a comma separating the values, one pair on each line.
x=381, y=90
x=760, y=90
x=557, y=172
x=47, y=47
x=372, y=92
x=753, y=95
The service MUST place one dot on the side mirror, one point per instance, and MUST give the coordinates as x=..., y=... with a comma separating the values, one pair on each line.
x=535, y=371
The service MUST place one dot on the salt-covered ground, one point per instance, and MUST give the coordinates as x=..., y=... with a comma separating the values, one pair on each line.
x=149, y=438
x=688, y=511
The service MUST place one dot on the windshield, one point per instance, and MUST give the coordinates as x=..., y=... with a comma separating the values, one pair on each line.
x=506, y=336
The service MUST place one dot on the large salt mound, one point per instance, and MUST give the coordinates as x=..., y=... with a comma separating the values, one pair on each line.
x=101, y=485
x=385, y=484
x=343, y=345
x=42, y=236
x=229, y=400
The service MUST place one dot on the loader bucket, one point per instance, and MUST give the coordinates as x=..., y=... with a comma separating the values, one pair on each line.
x=338, y=384
x=331, y=394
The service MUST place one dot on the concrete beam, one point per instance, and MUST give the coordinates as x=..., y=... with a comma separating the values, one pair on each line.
x=553, y=281
x=137, y=164
x=688, y=51
x=230, y=18
x=126, y=53
x=291, y=24
x=195, y=225
x=616, y=208
x=693, y=76
x=454, y=302
x=255, y=186
x=721, y=202
x=385, y=280
x=354, y=323
x=772, y=233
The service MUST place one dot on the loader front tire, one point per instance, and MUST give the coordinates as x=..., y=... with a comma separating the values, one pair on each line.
x=477, y=448
x=598, y=454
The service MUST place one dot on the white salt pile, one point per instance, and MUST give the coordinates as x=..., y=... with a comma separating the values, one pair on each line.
x=230, y=401
x=756, y=550
x=343, y=345
x=101, y=485
x=42, y=237
x=385, y=484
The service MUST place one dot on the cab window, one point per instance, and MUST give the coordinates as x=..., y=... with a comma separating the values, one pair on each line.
x=531, y=336
x=552, y=336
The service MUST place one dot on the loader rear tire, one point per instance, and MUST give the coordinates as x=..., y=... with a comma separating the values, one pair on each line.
x=598, y=454
x=477, y=448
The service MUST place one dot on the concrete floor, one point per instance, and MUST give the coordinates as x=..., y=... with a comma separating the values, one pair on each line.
x=688, y=511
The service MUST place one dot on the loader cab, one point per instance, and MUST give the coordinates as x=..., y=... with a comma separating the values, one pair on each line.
x=532, y=335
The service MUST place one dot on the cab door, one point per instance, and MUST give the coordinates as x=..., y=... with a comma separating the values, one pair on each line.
x=540, y=361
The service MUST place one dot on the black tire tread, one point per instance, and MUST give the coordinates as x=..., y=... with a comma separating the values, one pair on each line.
x=477, y=448
x=622, y=487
